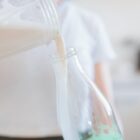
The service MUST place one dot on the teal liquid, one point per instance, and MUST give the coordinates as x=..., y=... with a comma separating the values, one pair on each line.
x=113, y=134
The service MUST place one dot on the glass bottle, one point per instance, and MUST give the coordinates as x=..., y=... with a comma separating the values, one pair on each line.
x=85, y=113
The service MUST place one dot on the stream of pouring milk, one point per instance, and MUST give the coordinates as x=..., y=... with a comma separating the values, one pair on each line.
x=62, y=92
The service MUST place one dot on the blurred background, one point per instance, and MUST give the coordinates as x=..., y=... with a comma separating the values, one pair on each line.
x=122, y=20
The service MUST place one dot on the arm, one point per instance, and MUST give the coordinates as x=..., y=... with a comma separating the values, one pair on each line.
x=103, y=80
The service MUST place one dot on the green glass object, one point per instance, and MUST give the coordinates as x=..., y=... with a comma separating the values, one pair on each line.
x=102, y=135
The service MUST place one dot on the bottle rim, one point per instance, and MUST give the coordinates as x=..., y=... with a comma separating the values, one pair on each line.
x=69, y=53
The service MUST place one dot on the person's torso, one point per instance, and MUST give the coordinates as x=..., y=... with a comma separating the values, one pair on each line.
x=27, y=83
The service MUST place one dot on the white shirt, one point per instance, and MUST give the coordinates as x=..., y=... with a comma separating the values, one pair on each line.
x=27, y=85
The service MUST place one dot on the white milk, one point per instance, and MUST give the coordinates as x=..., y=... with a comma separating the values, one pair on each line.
x=62, y=92
x=19, y=38
x=60, y=69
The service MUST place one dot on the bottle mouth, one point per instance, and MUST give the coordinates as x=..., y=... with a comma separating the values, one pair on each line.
x=69, y=53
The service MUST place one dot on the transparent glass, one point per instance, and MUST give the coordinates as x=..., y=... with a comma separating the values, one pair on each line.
x=89, y=114
x=25, y=24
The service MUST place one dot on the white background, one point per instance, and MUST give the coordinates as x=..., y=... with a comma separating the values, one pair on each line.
x=121, y=16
